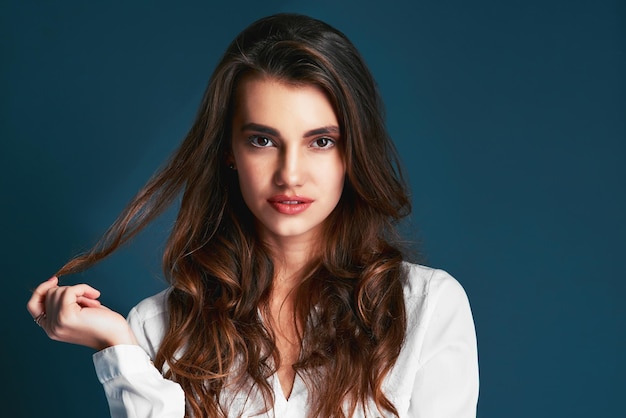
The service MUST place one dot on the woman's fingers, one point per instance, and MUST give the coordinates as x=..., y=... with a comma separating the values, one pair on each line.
x=85, y=290
x=73, y=314
x=36, y=303
x=85, y=302
x=62, y=304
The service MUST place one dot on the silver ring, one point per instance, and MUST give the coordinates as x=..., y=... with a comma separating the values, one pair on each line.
x=39, y=318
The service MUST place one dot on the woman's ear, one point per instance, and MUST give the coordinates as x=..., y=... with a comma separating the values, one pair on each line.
x=230, y=161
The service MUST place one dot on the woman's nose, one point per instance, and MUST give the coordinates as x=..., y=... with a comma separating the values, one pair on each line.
x=291, y=167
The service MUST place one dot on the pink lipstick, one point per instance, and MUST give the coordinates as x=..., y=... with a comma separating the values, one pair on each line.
x=290, y=205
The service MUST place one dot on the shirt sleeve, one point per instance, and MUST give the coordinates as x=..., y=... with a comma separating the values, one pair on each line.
x=446, y=383
x=134, y=387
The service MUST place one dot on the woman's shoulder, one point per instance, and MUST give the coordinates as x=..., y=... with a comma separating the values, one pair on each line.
x=428, y=289
x=423, y=281
x=151, y=306
x=148, y=320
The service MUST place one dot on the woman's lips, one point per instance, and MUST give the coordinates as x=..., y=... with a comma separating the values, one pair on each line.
x=290, y=205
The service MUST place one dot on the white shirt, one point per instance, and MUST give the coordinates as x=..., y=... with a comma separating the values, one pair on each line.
x=435, y=376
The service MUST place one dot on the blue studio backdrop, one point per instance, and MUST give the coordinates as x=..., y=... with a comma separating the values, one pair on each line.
x=509, y=117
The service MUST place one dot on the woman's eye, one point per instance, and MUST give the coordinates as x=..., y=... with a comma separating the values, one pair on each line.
x=323, y=143
x=260, y=141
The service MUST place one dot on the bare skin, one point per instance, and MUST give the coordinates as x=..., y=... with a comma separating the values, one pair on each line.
x=281, y=310
x=73, y=314
x=282, y=314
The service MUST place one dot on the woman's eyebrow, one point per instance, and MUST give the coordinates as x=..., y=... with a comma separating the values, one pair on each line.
x=324, y=130
x=259, y=128
x=331, y=129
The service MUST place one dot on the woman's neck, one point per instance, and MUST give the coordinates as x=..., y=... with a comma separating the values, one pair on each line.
x=291, y=257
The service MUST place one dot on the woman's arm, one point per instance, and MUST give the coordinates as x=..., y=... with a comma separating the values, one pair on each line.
x=133, y=386
x=446, y=384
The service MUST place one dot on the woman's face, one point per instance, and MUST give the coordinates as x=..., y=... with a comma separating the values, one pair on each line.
x=285, y=148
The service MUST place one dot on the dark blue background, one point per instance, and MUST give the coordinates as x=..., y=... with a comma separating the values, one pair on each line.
x=509, y=115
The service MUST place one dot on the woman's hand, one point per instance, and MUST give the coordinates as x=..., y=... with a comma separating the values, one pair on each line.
x=73, y=314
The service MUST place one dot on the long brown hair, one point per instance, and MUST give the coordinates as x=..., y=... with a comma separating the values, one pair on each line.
x=350, y=298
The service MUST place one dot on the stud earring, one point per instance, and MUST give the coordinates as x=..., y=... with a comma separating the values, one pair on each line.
x=231, y=166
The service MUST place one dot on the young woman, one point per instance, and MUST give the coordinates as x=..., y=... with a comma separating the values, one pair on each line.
x=289, y=295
